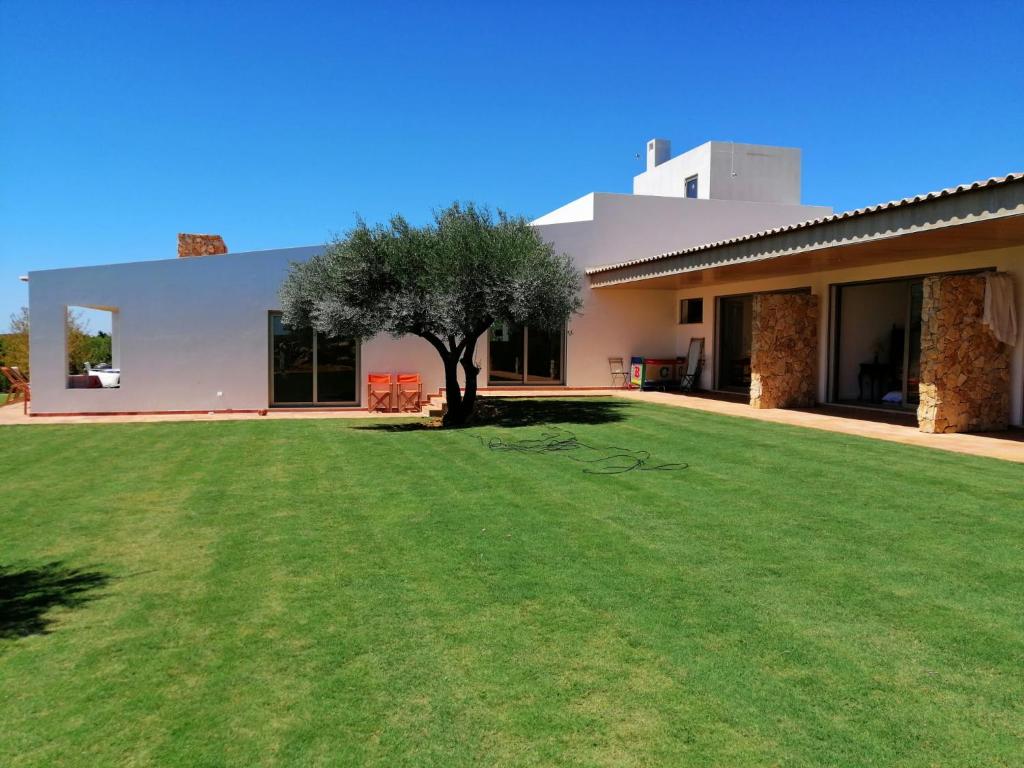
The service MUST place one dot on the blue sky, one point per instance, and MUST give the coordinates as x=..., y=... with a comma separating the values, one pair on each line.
x=273, y=124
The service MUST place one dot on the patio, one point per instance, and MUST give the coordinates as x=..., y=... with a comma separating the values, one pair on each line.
x=891, y=427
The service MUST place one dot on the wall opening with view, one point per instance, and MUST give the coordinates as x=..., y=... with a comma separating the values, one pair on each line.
x=91, y=348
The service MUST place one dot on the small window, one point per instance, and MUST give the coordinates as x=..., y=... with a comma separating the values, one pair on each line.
x=691, y=187
x=691, y=311
x=91, y=349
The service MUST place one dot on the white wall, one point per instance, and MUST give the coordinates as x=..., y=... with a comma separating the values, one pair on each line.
x=669, y=178
x=755, y=172
x=728, y=171
x=1010, y=260
x=185, y=330
x=188, y=329
x=624, y=322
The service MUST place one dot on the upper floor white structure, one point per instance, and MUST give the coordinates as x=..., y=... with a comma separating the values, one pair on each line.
x=722, y=170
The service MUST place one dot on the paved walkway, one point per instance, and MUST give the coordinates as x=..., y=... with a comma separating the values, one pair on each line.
x=997, y=445
x=1008, y=446
x=12, y=414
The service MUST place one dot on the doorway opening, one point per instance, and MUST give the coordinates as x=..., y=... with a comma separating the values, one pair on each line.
x=734, y=337
x=735, y=334
x=92, y=347
x=876, y=359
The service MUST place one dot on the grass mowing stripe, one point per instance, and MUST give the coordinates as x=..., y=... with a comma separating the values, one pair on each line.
x=290, y=593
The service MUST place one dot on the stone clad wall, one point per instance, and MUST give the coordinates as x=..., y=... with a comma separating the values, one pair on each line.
x=200, y=245
x=784, y=351
x=965, y=371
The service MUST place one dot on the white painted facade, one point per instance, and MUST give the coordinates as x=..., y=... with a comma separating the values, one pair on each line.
x=625, y=322
x=192, y=334
x=724, y=170
x=821, y=283
x=189, y=334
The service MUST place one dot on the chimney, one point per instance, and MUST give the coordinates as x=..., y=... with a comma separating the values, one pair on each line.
x=200, y=245
x=658, y=151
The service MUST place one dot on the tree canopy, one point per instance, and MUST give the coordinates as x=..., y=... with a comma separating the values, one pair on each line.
x=446, y=282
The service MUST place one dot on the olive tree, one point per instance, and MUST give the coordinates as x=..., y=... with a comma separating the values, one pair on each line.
x=446, y=282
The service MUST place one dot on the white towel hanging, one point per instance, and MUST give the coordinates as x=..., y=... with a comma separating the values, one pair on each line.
x=1000, y=315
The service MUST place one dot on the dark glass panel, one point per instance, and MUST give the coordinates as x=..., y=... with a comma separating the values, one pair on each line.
x=735, y=331
x=291, y=363
x=506, y=354
x=544, y=356
x=335, y=370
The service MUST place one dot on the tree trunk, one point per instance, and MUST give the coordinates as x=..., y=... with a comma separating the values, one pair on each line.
x=471, y=371
x=455, y=414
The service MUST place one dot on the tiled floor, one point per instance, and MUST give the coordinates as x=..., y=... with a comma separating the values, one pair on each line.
x=883, y=426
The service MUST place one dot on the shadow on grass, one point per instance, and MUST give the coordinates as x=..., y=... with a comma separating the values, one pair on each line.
x=526, y=412
x=27, y=596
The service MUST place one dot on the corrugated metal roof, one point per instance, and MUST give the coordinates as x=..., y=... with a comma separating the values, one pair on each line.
x=995, y=181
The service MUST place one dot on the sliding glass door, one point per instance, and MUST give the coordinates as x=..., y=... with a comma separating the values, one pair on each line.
x=735, y=332
x=308, y=368
x=521, y=355
x=876, y=343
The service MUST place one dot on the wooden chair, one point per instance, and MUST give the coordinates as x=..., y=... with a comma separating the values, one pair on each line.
x=409, y=392
x=618, y=371
x=379, y=394
x=19, y=386
x=694, y=364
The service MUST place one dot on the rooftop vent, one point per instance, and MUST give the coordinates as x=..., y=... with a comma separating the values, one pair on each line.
x=200, y=245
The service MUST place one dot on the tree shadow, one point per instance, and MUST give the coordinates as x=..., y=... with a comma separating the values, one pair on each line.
x=27, y=596
x=510, y=412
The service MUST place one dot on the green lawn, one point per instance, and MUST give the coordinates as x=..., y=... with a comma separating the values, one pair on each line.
x=310, y=593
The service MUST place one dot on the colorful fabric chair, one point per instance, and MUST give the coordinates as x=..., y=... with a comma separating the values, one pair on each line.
x=379, y=394
x=409, y=391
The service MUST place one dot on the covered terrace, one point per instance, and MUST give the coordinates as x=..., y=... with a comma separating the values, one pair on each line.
x=879, y=308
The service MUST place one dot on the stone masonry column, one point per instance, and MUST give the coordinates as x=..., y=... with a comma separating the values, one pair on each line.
x=965, y=370
x=784, y=351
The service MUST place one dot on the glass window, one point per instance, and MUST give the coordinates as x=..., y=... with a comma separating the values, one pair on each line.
x=691, y=311
x=292, y=362
x=734, y=342
x=691, y=187
x=335, y=370
x=544, y=356
x=310, y=368
x=521, y=355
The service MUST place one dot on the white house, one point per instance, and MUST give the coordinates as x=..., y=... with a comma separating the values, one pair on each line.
x=712, y=244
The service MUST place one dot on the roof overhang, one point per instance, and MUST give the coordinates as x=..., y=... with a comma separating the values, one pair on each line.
x=983, y=216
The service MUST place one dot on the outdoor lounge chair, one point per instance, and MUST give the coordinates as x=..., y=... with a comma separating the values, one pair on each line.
x=618, y=371
x=19, y=386
x=408, y=392
x=379, y=394
x=694, y=363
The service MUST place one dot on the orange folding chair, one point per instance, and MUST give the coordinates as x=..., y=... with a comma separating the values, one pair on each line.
x=409, y=391
x=379, y=392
